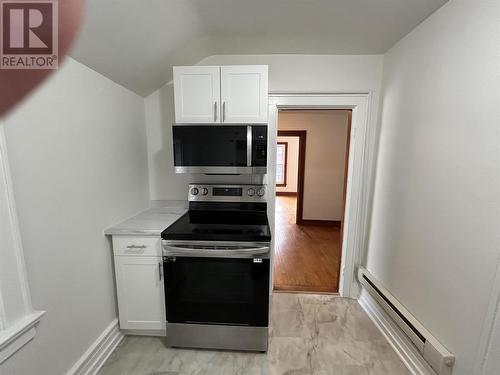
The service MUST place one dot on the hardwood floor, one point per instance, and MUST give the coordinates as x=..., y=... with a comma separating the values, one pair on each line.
x=307, y=258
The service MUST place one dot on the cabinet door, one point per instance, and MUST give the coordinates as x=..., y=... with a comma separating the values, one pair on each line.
x=197, y=94
x=139, y=285
x=244, y=91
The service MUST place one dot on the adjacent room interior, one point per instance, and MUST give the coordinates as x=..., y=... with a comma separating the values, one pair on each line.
x=311, y=169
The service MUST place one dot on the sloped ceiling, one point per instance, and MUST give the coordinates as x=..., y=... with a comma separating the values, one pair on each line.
x=136, y=42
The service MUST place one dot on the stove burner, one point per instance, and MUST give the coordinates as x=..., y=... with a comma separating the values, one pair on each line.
x=222, y=218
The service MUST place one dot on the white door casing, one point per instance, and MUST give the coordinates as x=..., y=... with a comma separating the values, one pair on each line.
x=361, y=155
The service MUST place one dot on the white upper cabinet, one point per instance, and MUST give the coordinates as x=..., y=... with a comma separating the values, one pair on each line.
x=244, y=94
x=221, y=94
x=197, y=94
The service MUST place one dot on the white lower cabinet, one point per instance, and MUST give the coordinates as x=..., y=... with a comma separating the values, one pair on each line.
x=140, y=293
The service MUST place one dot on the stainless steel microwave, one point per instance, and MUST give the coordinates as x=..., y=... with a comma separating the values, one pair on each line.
x=220, y=149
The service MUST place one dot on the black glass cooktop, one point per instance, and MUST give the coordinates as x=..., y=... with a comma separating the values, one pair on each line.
x=205, y=222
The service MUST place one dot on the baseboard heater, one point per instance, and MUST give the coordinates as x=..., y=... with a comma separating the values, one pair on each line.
x=433, y=352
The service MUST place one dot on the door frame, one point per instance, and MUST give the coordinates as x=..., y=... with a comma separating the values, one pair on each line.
x=360, y=165
x=302, y=135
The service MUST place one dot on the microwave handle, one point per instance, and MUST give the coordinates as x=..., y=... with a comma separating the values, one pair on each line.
x=249, y=146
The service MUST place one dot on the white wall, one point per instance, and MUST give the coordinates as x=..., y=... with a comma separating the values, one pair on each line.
x=287, y=73
x=312, y=73
x=78, y=157
x=324, y=173
x=434, y=238
x=292, y=164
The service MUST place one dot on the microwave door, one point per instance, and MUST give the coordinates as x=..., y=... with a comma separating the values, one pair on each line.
x=226, y=149
x=211, y=149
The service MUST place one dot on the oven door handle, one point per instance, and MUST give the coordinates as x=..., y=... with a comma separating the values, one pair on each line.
x=179, y=250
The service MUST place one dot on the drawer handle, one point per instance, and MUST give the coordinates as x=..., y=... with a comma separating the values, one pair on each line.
x=136, y=246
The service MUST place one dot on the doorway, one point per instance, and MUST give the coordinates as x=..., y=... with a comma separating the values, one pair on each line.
x=360, y=177
x=311, y=179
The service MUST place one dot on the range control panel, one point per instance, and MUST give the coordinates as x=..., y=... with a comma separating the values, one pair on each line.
x=227, y=193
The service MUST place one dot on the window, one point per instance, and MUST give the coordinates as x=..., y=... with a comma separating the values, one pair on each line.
x=281, y=161
x=17, y=317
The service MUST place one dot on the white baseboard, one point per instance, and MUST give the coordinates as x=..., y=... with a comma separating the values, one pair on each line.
x=95, y=356
x=405, y=349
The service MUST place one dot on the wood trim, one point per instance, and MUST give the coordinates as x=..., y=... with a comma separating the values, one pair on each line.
x=322, y=223
x=286, y=193
x=302, y=134
x=286, y=163
x=303, y=289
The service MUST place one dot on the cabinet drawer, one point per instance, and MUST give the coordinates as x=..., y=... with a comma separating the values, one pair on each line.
x=135, y=245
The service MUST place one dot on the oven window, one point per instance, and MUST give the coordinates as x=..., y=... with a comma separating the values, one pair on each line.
x=217, y=146
x=217, y=291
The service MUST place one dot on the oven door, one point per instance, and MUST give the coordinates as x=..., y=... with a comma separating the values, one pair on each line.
x=220, y=149
x=222, y=291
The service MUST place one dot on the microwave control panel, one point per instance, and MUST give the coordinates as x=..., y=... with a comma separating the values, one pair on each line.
x=259, y=146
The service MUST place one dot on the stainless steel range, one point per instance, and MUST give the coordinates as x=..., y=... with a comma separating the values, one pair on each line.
x=217, y=267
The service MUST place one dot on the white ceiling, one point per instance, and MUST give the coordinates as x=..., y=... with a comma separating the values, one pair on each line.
x=136, y=42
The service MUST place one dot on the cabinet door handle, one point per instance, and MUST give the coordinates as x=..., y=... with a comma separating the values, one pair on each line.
x=160, y=271
x=223, y=111
x=215, y=111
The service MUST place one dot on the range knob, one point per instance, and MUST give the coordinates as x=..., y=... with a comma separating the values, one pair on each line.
x=261, y=192
x=251, y=192
x=194, y=191
x=204, y=191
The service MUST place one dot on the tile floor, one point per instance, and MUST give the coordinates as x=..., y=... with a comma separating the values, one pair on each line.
x=309, y=335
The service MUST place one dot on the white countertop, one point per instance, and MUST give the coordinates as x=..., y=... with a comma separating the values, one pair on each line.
x=150, y=222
